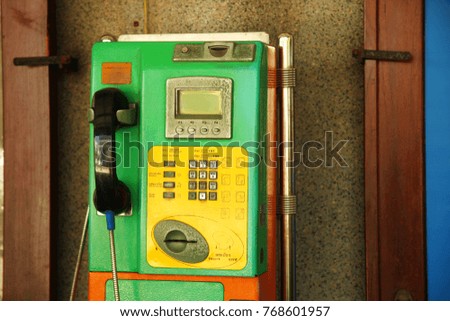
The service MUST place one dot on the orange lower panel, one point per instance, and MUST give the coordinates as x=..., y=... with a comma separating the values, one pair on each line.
x=236, y=288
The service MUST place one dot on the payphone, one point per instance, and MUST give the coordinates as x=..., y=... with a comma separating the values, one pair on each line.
x=183, y=169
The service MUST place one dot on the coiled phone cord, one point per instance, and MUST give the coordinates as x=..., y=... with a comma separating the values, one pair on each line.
x=110, y=224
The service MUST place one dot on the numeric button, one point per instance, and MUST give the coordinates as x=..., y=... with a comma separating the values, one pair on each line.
x=192, y=164
x=202, y=185
x=192, y=174
x=213, y=175
x=213, y=164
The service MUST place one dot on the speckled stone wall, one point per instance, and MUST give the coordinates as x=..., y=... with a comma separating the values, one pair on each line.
x=329, y=112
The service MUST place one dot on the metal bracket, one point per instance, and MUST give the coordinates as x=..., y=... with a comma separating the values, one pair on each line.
x=363, y=54
x=64, y=62
x=126, y=117
x=286, y=77
x=403, y=295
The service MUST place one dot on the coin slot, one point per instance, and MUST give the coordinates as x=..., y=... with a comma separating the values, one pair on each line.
x=176, y=241
x=218, y=50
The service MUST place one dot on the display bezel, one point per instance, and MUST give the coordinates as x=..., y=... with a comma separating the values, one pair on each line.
x=198, y=126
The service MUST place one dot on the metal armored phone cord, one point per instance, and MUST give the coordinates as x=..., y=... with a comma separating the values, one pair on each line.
x=110, y=225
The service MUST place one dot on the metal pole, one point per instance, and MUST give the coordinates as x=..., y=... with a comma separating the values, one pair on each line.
x=288, y=198
x=80, y=255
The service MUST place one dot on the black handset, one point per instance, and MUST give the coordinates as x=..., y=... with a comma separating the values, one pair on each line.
x=110, y=193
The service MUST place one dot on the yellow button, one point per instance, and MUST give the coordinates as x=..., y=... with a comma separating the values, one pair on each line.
x=226, y=197
x=240, y=213
x=240, y=180
x=240, y=197
x=226, y=179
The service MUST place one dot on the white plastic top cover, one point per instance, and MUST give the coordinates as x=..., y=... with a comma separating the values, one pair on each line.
x=169, y=37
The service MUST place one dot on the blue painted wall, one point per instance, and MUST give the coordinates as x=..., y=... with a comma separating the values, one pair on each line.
x=437, y=124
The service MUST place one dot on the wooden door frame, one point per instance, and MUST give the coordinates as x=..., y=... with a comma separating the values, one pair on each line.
x=28, y=171
x=394, y=152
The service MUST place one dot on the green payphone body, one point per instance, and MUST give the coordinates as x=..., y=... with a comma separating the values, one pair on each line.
x=178, y=160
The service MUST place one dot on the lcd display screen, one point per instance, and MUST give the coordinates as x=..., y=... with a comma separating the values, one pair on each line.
x=198, y=103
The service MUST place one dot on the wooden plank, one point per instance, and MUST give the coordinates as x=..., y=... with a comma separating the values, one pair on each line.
x=401, y=141
x=394, y=127
x=27, y=152
x=371, y=153
x=1, y=171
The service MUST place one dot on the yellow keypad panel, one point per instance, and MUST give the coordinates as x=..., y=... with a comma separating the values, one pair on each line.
x=197, y=207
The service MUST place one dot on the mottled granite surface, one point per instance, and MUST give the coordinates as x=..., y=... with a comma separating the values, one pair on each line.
x=329, y=113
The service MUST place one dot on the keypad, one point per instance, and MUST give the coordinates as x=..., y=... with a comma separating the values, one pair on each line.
x=206, y=172
x=203, y=178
